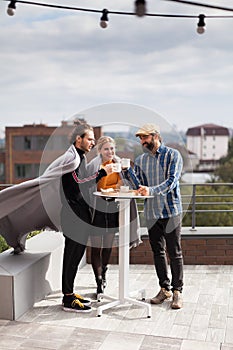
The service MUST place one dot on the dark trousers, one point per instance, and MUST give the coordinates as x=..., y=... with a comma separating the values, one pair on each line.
x=76, y=232
x=164, y=235
x=73, y=253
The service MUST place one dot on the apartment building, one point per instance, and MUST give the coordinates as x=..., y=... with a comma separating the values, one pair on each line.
x=209, y=142
x=29, y=149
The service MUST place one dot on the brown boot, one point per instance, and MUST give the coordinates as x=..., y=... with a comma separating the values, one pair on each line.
x=177, y=301
x=162, y=295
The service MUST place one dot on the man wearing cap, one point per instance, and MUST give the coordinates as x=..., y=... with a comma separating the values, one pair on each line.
x=158, y=170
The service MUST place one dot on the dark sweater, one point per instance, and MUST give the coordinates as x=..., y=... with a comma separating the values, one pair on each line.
x=75, y=188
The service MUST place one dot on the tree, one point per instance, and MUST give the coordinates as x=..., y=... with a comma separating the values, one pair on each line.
x=213, y=201
x=224, y=171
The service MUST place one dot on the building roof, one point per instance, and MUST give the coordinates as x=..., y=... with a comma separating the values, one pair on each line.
x=208, y=130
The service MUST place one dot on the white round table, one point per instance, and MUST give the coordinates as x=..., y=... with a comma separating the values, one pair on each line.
x=124, y=230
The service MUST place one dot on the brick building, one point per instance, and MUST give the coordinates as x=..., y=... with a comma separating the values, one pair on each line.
x=29, y=149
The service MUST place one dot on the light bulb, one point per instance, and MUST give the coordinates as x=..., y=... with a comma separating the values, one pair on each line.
x=201, y=24
x=104, y=19
x=11, y=8
x=103, y=24
x=200, y=30
x=10, y=11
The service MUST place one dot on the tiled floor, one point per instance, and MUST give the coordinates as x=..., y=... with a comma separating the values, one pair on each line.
x=205, y=322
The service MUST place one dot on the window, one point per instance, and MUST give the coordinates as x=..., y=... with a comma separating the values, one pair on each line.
x=2, y=172
x=26, y=171
x=57, y=143
x=22, y=171
x=27, y=142
x=33, y=143
x=40, y=142
x=18, y=142
x=21, y=143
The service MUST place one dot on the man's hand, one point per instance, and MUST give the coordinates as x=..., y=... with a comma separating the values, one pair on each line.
x=143, y=190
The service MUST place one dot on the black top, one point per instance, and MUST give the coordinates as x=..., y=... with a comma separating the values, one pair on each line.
x=76, y=184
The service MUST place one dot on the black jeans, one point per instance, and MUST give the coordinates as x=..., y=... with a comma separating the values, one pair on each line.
x=76, y=232
x=164, y=234
x=73, y=253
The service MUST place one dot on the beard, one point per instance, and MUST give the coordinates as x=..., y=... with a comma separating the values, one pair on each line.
x=148, y=146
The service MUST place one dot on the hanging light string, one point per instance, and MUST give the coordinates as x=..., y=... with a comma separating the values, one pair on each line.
x=216, y=7
x=63, y=7
x=140, y=11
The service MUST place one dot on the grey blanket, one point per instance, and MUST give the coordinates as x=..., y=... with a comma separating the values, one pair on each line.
x=35, y=204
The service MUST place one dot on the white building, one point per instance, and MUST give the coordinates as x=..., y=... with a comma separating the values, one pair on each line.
x=209, y=142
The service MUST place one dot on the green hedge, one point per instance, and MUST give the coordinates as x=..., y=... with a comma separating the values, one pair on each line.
x=4, y=245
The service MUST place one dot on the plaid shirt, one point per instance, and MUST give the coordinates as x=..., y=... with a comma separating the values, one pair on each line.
x=161, y=172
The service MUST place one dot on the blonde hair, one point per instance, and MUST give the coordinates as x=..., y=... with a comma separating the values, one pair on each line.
x=102, y=140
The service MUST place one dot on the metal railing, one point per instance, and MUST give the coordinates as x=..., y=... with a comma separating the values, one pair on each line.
x=206, y=203
x=195, y=202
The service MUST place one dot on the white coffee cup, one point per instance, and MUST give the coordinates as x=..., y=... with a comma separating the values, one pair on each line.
x=124, y=189
x=117, y=167
x=125, y=163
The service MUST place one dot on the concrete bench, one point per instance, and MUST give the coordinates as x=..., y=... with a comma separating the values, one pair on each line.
x=28, y=277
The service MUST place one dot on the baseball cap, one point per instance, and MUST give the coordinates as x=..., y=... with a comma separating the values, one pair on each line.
x=147, y=129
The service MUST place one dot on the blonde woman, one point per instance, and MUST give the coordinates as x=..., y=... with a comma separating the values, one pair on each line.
x=105, y=218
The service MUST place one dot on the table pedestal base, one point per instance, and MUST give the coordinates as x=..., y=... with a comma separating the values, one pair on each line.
x=124, y=301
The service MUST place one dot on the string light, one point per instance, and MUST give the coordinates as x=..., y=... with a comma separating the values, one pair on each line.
x=140, y=10
x=187, y=2
x=11, y=8
x=104, y=19
x=201, y=24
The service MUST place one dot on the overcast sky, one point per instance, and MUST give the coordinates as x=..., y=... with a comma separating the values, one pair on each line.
x=57, y=63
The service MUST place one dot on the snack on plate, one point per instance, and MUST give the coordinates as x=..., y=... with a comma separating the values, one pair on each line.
x=115, y=192
x=107, y=190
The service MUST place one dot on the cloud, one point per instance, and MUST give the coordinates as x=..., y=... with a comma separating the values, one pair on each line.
x=54, y=63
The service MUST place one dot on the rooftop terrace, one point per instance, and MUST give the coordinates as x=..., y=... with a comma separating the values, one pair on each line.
x=205, y=322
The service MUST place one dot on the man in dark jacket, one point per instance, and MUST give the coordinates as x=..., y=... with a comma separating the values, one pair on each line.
x=75, y=216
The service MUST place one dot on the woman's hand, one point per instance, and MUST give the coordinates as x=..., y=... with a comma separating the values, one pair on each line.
x=109, y=168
